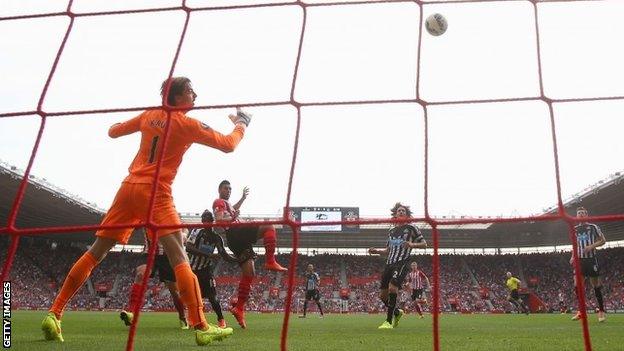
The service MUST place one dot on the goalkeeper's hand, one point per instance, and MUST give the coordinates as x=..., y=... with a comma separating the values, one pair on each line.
x=241, y=117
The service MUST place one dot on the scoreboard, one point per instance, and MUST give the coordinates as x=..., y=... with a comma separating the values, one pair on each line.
x=327, y=214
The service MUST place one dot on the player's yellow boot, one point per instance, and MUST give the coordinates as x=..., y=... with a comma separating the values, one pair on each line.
x=205, y=337
x=577, y=316
x=126, y=317
x=397, y=318
x=225, y=332
x=184, y=325
x=385, y=325
x=51, y=328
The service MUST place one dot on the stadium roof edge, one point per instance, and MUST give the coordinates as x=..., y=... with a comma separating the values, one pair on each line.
x=613, y=178
x=43, y=183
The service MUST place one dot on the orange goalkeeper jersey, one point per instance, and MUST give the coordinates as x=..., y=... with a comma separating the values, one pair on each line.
x=183, y=132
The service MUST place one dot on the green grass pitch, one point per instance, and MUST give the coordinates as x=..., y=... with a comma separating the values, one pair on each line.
x=159, y=331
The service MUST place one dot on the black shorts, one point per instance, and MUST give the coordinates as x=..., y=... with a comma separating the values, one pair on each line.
x=207, y=283
x=240, y=240
x=514, y=294
x=395, y=274
x=589, y=267
x=162, y=266
x=313, y=295
x=417, y=294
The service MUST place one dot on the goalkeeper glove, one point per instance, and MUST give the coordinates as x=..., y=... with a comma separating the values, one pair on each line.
x=243, y=117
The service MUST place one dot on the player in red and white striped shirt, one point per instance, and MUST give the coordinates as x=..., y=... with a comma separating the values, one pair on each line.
x=417, y=281
x=240, y=240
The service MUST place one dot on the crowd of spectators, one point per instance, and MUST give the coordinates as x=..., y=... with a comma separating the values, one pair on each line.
x=549, y=274
x=349, y=283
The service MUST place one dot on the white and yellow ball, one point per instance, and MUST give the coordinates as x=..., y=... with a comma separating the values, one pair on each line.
x=436, y=24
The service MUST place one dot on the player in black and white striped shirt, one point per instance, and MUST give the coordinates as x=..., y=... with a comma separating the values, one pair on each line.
x=401, y=240
x=312, y=281
x=588, y=238
x=200, y=246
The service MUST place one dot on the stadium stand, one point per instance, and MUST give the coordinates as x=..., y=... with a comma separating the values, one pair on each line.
x=36, y=280
x=469, y=283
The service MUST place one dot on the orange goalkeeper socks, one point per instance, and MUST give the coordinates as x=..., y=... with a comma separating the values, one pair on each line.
x=188, y=286
x=77, y=275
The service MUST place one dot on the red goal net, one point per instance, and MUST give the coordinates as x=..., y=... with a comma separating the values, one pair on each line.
x=10, y=228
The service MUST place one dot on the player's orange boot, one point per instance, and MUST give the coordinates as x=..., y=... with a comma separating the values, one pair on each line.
x=274, y=266
x=240, y=316
x=221, y=323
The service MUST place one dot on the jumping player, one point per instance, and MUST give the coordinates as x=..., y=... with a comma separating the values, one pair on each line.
x=131, y=204
x=165, y=275
x=312, y=280
x=240, y=241
x=512, y=284
x=588, y=238
x=200, y=247
x=402, y=238
x=415, y=279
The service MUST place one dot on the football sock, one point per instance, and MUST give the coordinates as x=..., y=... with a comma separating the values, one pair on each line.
x=243, y=291
x=418, y=308
x=391, y=306
x=78, y=274
x=179, y=306
x=598, y=293
x=216, y=306
x=319, y=307
x=270, y=241
x=190, y=294
x=305, y=307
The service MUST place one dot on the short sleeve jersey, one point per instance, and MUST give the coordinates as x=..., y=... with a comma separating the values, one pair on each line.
x=399, y=235
x=512, y=283
x=221, y=205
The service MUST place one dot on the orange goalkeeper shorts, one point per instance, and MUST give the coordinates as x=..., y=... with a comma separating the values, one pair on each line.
x=131, y=206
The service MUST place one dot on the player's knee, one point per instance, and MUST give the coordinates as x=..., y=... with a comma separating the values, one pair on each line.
x=177, y=258
x=101, y=247
x=174, y=248
x=266, y=227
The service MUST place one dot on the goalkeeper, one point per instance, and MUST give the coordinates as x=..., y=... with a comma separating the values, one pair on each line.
x=132, y=202
x=200, y=247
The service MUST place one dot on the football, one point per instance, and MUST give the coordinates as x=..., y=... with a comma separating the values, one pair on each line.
x=436, y=24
